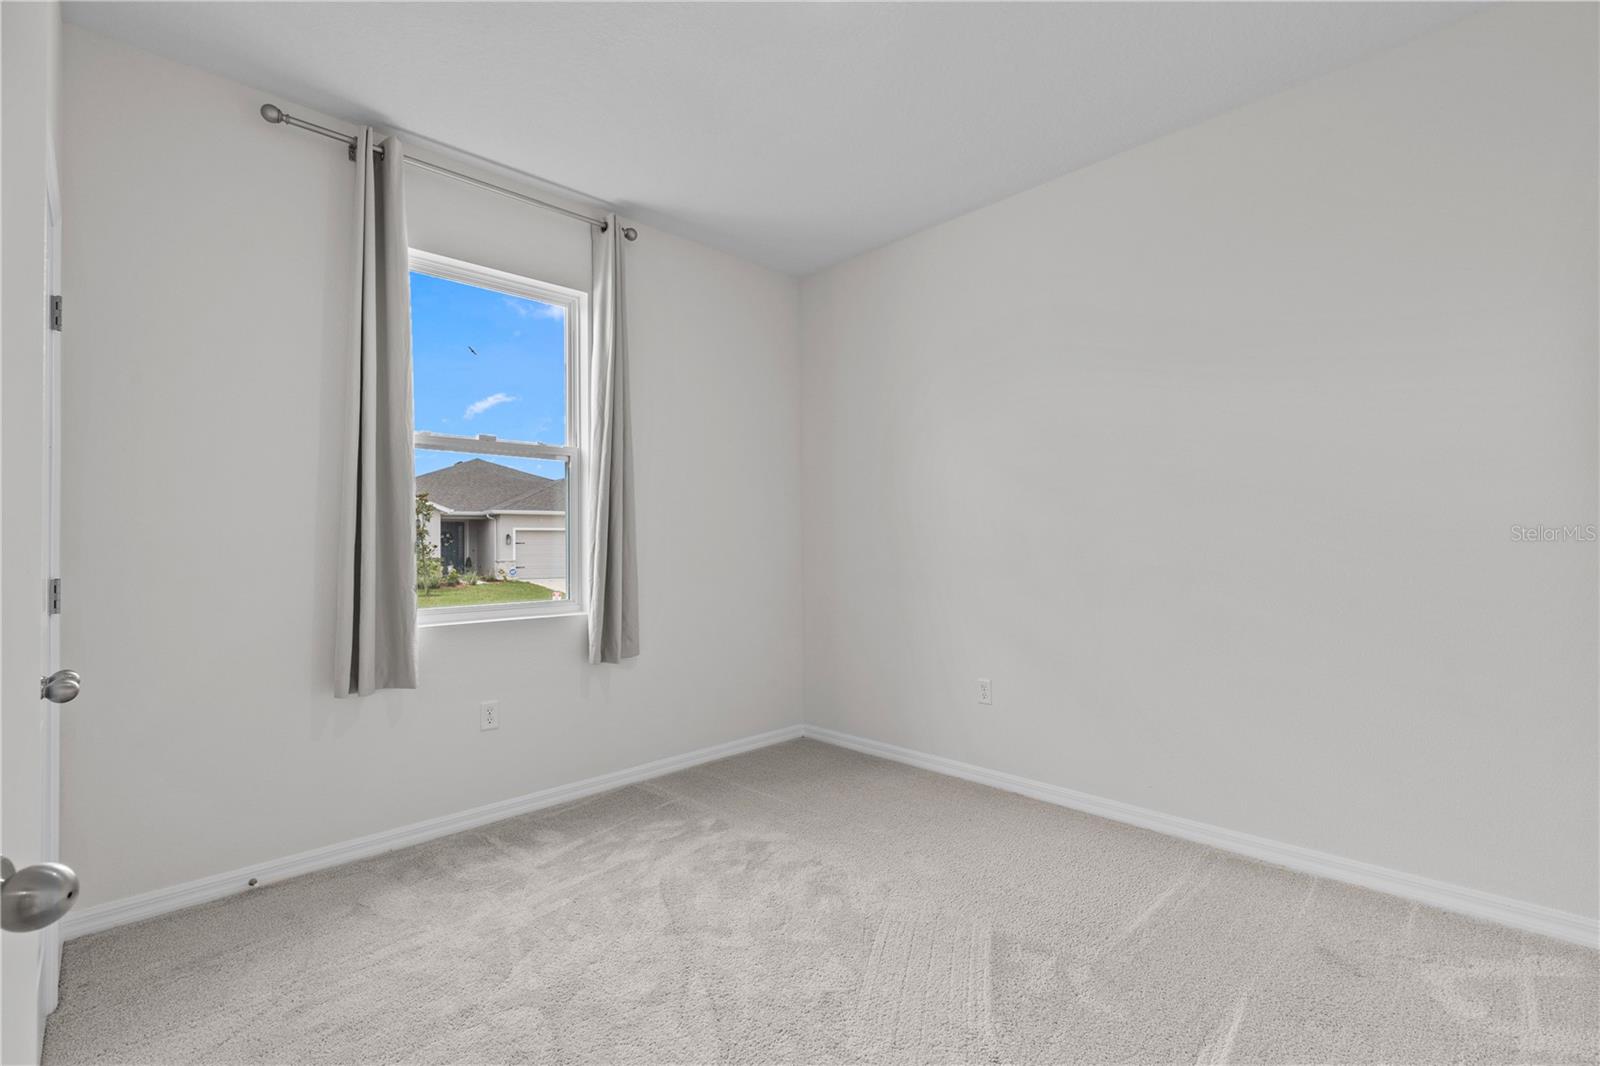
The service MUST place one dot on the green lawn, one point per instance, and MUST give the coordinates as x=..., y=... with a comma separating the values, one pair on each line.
x=487, y=592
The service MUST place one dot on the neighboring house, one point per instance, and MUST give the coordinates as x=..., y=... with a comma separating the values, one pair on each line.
x=499, y=519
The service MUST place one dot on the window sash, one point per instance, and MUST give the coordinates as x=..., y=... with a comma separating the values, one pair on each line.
x=571, y=301
x=489, y=612
x=575, y=305
x=487, y=445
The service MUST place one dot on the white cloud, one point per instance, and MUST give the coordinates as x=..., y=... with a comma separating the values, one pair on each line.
x=534, y=308
x=475, y=409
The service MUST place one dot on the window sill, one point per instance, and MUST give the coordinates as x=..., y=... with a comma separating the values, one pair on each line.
x=432, y=617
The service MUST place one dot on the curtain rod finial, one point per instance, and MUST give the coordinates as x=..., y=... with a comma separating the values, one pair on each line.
x=271, y=112
x=630, y=233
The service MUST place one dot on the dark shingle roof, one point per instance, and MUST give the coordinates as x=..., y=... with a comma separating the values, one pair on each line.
x=479, y=485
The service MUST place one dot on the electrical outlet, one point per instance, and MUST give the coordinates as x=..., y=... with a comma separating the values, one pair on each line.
x=985, y=691
x=489, y=714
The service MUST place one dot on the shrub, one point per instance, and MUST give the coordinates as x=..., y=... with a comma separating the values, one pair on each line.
x=429, y=568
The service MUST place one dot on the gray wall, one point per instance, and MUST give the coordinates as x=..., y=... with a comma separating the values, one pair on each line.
x=210, y=738
x=1209, y=455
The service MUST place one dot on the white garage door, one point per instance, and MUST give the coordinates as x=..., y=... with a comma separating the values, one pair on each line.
x=541, y=553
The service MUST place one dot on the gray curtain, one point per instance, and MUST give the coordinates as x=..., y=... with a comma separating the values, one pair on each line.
x=375, y=622
x=613, y=570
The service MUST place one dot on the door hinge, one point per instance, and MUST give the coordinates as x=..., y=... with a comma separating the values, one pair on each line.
x=55, y=595
x=55, y=313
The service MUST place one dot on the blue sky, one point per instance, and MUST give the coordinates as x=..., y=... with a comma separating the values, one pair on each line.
x=485, y=362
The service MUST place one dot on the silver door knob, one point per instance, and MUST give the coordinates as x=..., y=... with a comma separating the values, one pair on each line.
x=35, y=896
x=61, y=686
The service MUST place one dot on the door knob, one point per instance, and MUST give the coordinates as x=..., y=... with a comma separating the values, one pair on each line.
x=35, y=896
x=61, y=686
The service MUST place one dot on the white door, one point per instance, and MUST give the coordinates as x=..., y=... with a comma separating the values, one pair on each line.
x=54, y=603
x=28, y=788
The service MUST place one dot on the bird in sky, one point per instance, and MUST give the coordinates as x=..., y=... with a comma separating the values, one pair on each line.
x=471, y=349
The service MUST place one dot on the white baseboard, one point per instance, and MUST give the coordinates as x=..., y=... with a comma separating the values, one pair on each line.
x=1503, y=910
x=150, y=904
x=1531, y=917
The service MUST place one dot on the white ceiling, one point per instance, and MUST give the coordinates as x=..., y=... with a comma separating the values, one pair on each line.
x=794, y=134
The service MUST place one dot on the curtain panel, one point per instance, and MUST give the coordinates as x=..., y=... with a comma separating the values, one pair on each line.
x=613, y=569
x=375, y=620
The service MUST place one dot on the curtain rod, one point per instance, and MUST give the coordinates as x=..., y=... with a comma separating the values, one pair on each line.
x=275, y=114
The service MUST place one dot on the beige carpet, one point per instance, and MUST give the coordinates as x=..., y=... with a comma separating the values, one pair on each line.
x=806, y=904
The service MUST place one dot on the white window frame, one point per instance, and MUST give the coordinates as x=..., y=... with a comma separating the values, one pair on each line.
x=576, y=306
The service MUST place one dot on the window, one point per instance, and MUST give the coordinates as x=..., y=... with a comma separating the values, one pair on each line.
x=495, y=389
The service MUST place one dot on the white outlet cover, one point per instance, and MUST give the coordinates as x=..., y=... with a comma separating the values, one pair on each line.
x=489, y=714
x=985, y=691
